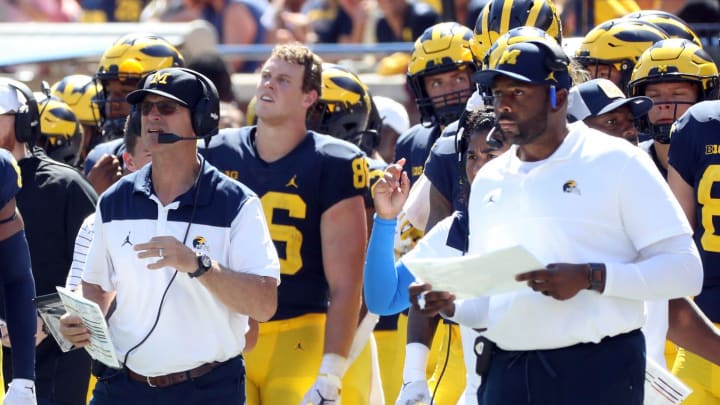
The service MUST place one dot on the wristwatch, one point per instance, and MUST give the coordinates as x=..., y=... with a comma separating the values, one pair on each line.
x=204, y=264
x=596, y=277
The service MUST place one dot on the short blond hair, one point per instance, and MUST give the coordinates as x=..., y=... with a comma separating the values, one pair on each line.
x=300, y=54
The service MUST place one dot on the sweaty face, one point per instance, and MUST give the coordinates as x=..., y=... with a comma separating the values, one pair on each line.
x=618, y=122
x=521, y=108
x=670, y=100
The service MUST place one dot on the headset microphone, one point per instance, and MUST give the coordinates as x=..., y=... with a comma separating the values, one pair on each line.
x=492, y=140
x=167, y=137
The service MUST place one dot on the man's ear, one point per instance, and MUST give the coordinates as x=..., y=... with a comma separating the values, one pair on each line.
x=309, y=98
x=128, y=161
x=561, y=97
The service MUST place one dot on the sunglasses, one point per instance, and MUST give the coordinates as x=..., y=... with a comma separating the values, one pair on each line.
x=163, y=107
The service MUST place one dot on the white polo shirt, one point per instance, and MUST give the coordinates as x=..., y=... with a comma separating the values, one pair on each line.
x=194, y=326
x=595, y=199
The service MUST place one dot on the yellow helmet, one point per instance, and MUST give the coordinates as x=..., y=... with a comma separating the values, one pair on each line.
x=129, y=59
x=674, y=26
x=515, y=35
x=79, y=92
x=343, y=108
x=442, y=48
x=673, y=60
x=134, y=56
x=676, y=59
x=59, y=129
x=619, y=43
x=500, y=16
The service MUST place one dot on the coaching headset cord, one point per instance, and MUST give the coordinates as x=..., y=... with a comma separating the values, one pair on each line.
x=167, y=288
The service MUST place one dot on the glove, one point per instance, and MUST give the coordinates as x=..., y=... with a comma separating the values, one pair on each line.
x=327, y=386
x=414, y=393
x=20, y=392
x=415, y=388
x=325, y=391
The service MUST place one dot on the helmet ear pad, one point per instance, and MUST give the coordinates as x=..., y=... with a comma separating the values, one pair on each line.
x=27, y=118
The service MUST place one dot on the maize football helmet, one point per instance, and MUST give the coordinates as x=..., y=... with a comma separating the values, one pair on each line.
x=673, y=60
x=515, y=35
x=619, y=43
x=79, y=92
x=442, y=48
x=128, y=60
x=674, y=26
x=60, y=132
x=343, y=108
x=500, y=16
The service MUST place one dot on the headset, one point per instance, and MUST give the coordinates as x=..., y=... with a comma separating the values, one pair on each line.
x=205, y=114
x=27, y=118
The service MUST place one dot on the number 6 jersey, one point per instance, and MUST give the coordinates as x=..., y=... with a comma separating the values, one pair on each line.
x=295, y=191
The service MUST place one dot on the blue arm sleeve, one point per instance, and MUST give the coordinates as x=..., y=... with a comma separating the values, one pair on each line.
x=386, y=283
x=21, y=315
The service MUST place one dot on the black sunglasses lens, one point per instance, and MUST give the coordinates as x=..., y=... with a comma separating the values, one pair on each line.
x=164, y=107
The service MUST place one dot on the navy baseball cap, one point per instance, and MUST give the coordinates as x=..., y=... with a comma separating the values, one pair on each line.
x=174, y=83
x=601, y=96
x=529, y=62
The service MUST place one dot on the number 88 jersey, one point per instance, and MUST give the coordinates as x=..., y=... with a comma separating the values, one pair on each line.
x=295, y=191
x=695, y=155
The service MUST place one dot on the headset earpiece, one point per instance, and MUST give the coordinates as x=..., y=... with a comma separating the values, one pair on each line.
x=27, y=118
x=206, y=112
x=553, y=97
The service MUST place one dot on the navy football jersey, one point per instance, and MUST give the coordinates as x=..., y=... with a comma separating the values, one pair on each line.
x=695, y=154
x=11, y=179
x=295, y=191
x=443, y=169
x=414, y=145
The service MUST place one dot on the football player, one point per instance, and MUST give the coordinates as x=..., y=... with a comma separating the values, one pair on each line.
x=311, y=187
x=675, y=74
x=694, y=159
x=19, y=286
x=611, y=49
x=79, y=92
x=128, y=60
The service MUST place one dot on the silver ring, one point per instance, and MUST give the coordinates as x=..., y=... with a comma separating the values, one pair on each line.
x=160, y=252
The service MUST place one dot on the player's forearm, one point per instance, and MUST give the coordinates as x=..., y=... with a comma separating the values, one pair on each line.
x=385, y=284
x=692, y=330
x=421, y=328
x=342, y=319
x=248, y=294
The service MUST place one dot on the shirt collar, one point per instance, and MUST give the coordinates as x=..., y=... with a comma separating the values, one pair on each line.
x=207, y=179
